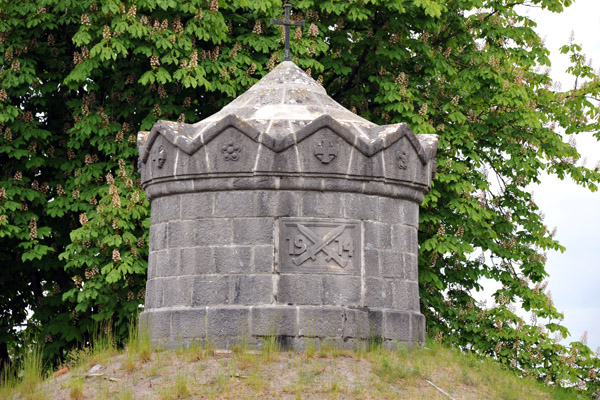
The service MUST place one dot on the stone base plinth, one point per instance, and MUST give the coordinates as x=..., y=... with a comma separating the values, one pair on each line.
x=293, y=326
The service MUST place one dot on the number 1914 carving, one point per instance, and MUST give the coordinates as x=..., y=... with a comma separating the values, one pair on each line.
x=319, y=246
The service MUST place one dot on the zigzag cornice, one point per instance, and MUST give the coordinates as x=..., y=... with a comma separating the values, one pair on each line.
x=186, y=138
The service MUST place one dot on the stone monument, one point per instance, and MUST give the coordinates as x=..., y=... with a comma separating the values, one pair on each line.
x=286, y=215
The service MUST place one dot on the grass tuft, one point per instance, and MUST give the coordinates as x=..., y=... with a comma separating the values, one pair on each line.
x=76, y=388
x=139, y=340
x=32, y=368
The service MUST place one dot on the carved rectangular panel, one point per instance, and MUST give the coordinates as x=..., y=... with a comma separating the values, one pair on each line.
x=311, y=245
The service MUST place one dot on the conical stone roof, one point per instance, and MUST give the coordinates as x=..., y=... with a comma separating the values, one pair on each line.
x=281, y=110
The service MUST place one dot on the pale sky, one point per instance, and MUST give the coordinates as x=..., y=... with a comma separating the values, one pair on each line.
x=575, y=274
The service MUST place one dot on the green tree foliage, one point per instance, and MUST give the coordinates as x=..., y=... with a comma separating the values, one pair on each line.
x=78, y=79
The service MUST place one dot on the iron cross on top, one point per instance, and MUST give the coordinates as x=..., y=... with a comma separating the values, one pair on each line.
x=287, y=22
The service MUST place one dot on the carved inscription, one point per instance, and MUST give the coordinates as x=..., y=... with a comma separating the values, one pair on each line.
x=319, y=246
x=326, y=151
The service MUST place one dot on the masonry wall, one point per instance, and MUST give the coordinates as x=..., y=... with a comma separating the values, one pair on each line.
x=221, y=266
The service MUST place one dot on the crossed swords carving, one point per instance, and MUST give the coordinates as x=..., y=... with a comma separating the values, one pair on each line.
x=320, y=244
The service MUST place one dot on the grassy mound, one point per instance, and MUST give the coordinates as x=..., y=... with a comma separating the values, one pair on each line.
x=137, y=372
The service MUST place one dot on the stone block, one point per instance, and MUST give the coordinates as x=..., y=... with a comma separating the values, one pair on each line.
x=269, y=161
x=251, y=289
x=157, y=322
x=277, y=204
x=341, y=290
x=356, y=323
x=255, y=183
x=181, y=233
x=362, y=165
x=177, y=185
x=233, y=259
x=399, y=211
x=396, y=325
x=414, y=298
x=274, y=320
x=263, y=259
x=213, y=232
x=371, y=265
x=417, y=324
x=177, y=291
x=234, y=204
x=253, y=230
x=321, y=321
x=210, y=290
x=316, y=204
x=189, y=323
x=360, y=206
x=304, y=289
x=158, y=236
x=194, y=164
x=229, y=321
x=411, y=267
x=196, y=261
x=167, y=263
x=164, y=209
x=196, y=205
x=375, y=323
x=378, y=293
x=154, y=295
x=401, y=294
x=377, y=235
x=404, y=238
x=392, y=264
x=151, y=264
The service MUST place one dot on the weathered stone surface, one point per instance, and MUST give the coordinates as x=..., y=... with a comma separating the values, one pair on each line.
x=253, y=230
x=378, y=235
x=188, y=323
x=177, y=291
x=284, y=214
x=274, y=321
x=316, y=204
x=234, y=204
x=396, y=325
x=277, y=204
x=264, y=259
x=299, y=289
x=357, y=206
x=378, y=293
x=181, y=233
x=197, y=205
x=321, y=321
x=233, y=321
x=165, y=209
x=392, y=264
x=341, y=290
x=158, y=236
x=233, y=259
x=251, y=289
x=216, y=231
x=196, y=261
x=210, y=289
x=167, y=263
